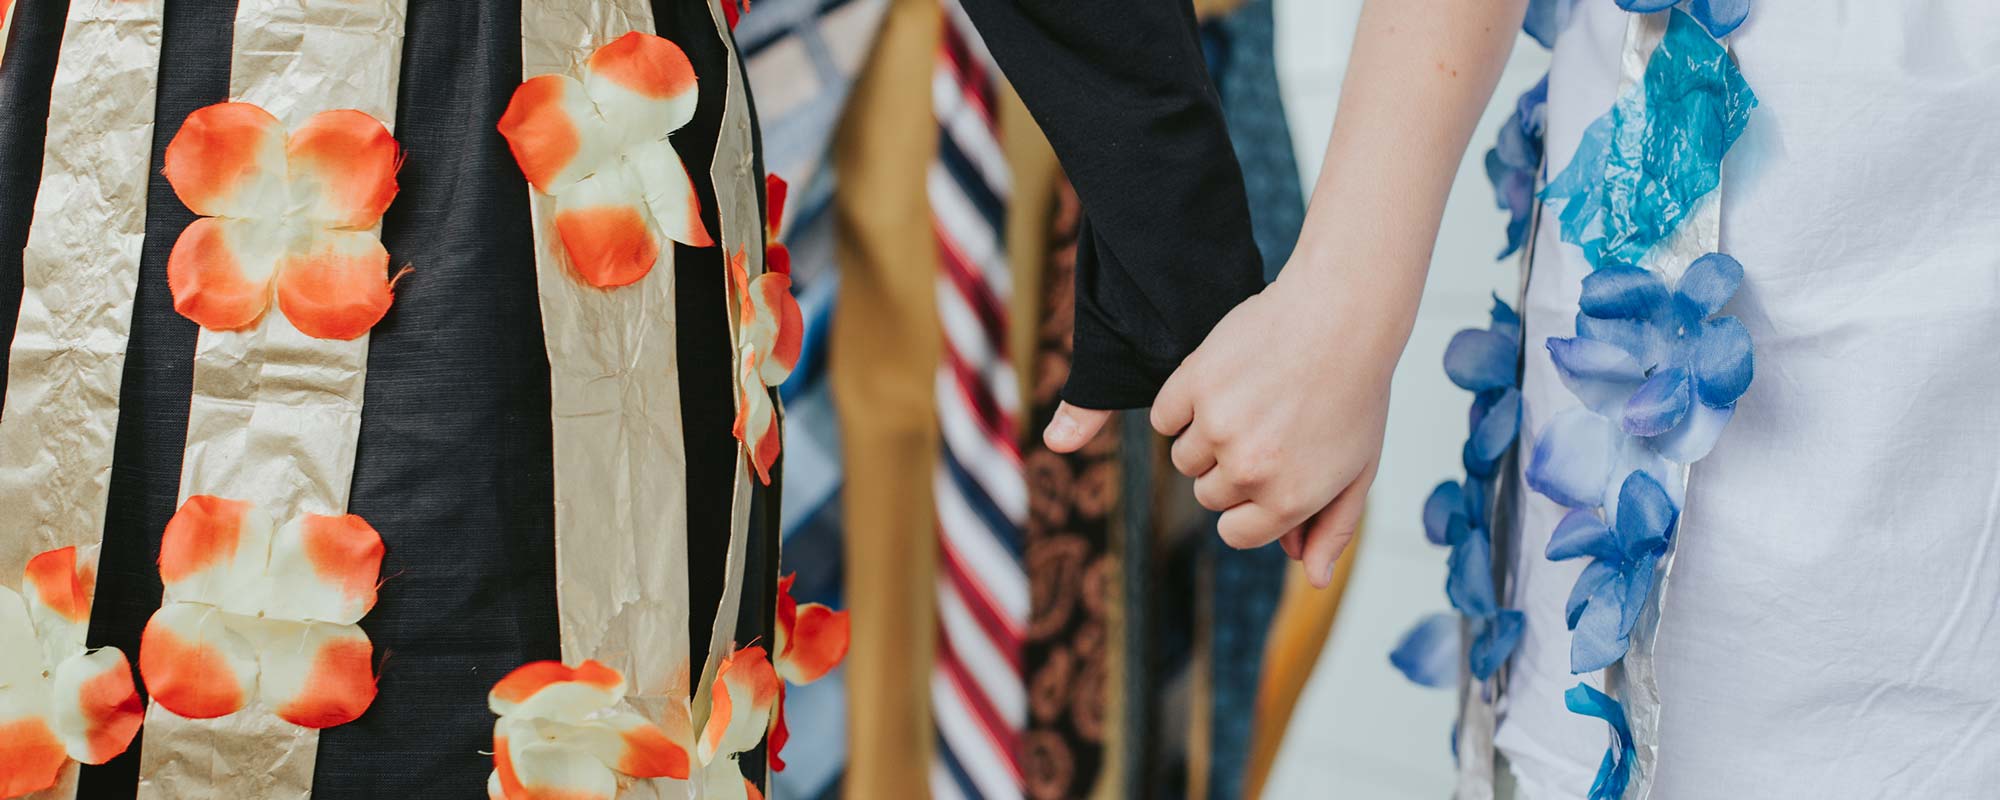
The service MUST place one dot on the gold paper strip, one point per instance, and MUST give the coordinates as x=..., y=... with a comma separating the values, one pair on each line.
x=620, y=461
x=78, y=274
x=276, y=414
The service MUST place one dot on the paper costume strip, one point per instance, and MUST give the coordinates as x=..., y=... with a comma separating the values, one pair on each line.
x=608, y=198
x=79, y=272
x=285, y=273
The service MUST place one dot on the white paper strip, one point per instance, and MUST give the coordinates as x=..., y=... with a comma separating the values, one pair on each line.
x=276, y=414
x=79, y=271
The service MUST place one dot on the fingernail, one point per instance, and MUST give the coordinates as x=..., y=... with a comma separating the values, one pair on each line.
x=1326, y=574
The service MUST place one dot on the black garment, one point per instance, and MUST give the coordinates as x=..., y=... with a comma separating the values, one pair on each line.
x=454, y=461
x=1121, y=90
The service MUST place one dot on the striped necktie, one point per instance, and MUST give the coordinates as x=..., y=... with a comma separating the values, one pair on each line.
x=978, y=698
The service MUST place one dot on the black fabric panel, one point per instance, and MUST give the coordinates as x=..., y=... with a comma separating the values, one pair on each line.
x=159, y=372
x=455, y=454
x=26, y=72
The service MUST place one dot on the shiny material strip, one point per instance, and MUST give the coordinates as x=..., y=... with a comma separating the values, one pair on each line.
x=620, y=460
x=276, y=414
x=79, y=271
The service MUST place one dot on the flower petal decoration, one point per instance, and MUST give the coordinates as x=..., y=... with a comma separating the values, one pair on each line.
x=253, y=612
x=1719, y=17
x=769, y=334
x=598, y=144
x=739, y=714
x=284, y=216
x=811, y=640
x=564, y=732
x=1615, y=771
x=1428, y=653
x=1515, y=162
x=1605, y=604
x=58, y=701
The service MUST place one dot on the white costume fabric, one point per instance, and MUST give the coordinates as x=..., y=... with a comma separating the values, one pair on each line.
x=1833, y=629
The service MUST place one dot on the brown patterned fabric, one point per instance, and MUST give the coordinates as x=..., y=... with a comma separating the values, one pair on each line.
x=1072, y=572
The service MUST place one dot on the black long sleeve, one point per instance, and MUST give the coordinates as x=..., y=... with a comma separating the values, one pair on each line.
x=1165, y=250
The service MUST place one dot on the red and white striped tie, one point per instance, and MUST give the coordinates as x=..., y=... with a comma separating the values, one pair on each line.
x=978, y=699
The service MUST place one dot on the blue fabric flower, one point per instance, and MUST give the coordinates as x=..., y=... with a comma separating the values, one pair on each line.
x=1660, y=362
x=1609, y=595
x=1516, y=161
x=1719, y=17
x=1488, y=363
x=1615, y=771
x=1428, y=654
x=1494, y=630
x=1643, y=166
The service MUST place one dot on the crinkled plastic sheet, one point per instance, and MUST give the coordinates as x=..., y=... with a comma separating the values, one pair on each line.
x=276, y=414
x=79, y=272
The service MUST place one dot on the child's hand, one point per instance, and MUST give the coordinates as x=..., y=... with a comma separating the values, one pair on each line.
x=1279, y=417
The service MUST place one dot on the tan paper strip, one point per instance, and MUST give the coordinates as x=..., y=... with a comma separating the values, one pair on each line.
x=735, y=179
x=78, y=274
x=620, y=461
x=276, y=414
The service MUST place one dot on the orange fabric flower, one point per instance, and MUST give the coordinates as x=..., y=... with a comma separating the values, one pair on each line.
x=598, y=144
x=770, y=331
x=291, y=215
x=811, y=640
x=255, y=612
x=58, y=701
x=564, y=733
x=742, y=696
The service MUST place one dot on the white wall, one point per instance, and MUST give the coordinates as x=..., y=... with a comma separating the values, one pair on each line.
x=1361, y=730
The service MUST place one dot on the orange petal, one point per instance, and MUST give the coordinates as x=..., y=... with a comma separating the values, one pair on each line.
x=214, y=551
x=56, y=592
x=669, y=193
x=772, y=321
x=745, y=688
x=228, y=160
x=756, y=418
x=338, y=287
x=343, y=168
x=643, y=85
x=775, y=190
x=750, y=789
x=193, y=664
x=31, y=757
x=626, y=742
x=780, y=734
x=606, y=231
x=219, y=272
x=315, y=675
x=816, y=644
x=97, y=708
x=328, y=568
x=554, y=132
x=555, y=691
x=530, y=767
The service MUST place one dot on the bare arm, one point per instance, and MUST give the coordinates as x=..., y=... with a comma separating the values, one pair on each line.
x=1280, y=411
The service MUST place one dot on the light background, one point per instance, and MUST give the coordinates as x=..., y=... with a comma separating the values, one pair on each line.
x=1362, y=731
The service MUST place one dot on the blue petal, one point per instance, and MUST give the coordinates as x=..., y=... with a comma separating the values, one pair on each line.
x=1720, y=17
x=1497, y=427
x=1428, y=654
x=1658, y=405
x=1614, y=772
x=1638, y=586
x=1571, y=462
x=1495, y=642
x=1645, y=514
x=1648, y=343
x=1458, y=529
x=1546, y=19
x=1695, y=436
x=1506, y=321
x=1469, y=584
x=1599, y=639
x=1706, y=287
x=1600, y=374
x=1723, y=363
x=1445, y=500
x=1593, y=577
x=1623, y=291
x=1581, y=533
x=1646, y=6
x=1479, y=360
